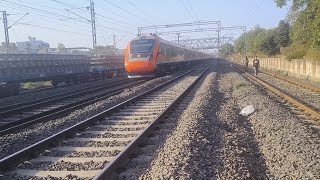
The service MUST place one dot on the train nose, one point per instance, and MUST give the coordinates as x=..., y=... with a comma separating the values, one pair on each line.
x=140, y=67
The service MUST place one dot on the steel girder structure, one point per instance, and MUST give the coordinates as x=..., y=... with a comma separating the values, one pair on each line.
x=204, y=43
x=196, y=23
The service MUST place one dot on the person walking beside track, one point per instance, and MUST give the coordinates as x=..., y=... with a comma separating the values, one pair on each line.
x=246, y=62
x=256, y=65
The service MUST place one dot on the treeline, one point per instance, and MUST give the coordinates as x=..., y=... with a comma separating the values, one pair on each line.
x=296, y=37
x=264, y=41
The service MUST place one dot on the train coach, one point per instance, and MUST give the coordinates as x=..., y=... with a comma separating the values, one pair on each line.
x=57, y=68
x=147, y=56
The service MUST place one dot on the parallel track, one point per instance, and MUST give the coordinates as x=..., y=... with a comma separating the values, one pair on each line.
x=300, y=84
x=36, y=90
x=42, y=111
x=298, y=107
x=18, y=106
x=102, y=143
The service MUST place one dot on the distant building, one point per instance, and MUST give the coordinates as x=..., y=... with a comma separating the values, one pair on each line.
x=11, y=48
x=32, y=46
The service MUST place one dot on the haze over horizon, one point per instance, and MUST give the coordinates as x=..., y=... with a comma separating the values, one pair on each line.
x=55, y=21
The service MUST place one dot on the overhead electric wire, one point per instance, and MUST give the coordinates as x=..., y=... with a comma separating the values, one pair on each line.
x=41, y=5
x=66, y=17
x=40, y=12
x=187, y=10
x=143, y=12
x=126, y=11
x=192, y=9
x=15, y=34
x=82, y=9
x=36, y=9
x=254, y=10
x=102, y=32
x=44, y=27
x=70, y=5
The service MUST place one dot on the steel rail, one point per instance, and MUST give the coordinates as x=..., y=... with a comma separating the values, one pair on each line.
x=300, y=84
x=73, y=94
x=299, y=105
x=122, y=158
x=58, y=112
x=297, y=83
x=14, y=159
x=17, y=105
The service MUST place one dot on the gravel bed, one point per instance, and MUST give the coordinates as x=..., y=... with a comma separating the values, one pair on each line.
x=14, y=142
x=46, y=93
x=116, y=129
x=215, y=142
x=56, y=153
x=11, y=143
x=48, y=178
x=62, y=166
x=124, y=123
x=106, y=135
x=304, y=80
x=289, y=146
x=96, y=144
x=304, y=95
x=172, y=89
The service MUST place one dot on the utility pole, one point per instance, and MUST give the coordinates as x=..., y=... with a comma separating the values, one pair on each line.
x=114, y=41
x=93, y=24
x=178, y=38
x=219, y=34
x=6, y=32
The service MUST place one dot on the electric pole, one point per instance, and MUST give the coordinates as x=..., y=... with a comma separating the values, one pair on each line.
x=114, y=41
x=178, y=38
x=93, y=24
x=6, y=32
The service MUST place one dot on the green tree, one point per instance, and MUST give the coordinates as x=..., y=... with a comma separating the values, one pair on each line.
x=226, y=50
x=106, y=50
x=269, y=44
x=61, y=47
x=305, y=31
x=296, y=4
x=282, y=38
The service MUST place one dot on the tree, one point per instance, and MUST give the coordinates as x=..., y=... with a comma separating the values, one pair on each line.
x=61, y=47
x=226, y=50
x=269, y=45
x=296, y=4
x=282, y=38
x=106, y=50
x=253, y=39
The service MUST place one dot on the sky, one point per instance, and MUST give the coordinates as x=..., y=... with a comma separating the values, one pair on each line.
x=68, y=22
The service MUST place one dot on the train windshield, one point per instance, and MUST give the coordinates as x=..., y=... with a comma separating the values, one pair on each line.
x=141, y=46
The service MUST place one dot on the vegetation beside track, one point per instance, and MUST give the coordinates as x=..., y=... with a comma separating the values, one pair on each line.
x=296, y=37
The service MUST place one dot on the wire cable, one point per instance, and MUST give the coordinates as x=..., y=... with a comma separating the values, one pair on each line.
x=126, y=11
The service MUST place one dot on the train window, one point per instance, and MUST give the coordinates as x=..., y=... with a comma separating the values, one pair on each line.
x=141, y=46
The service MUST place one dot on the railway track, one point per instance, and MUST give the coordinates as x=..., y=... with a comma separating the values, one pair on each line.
x=302, y=109
x=12, y=107
x=304, y=92
x=96, y=147
x=24, y=114
x=300, y=84
x=36, y=90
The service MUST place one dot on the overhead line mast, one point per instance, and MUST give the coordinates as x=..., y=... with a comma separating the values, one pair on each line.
x=6, y=28
x=6, y=32
x=93, y=25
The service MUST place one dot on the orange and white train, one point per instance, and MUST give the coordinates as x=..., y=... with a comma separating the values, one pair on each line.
x=148, y=55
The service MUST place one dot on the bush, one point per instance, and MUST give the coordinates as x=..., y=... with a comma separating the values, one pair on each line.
x=34, y=85
x=295, y=51
x=313, y=54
